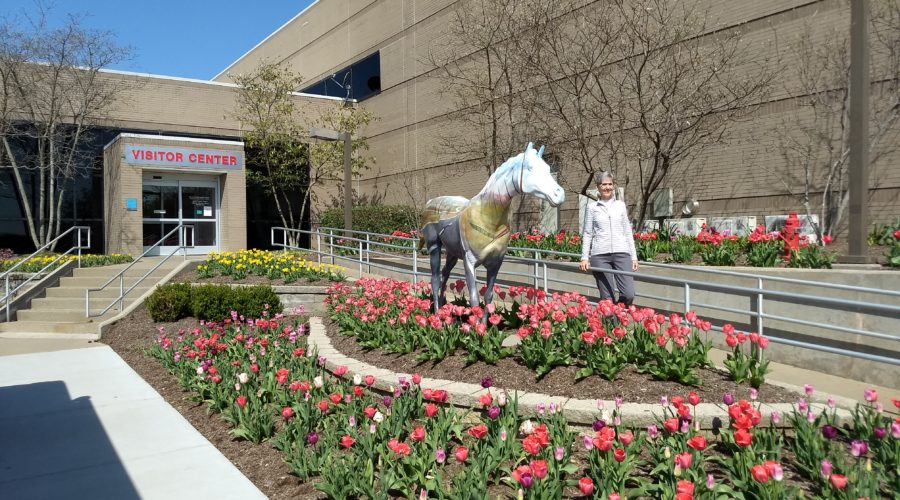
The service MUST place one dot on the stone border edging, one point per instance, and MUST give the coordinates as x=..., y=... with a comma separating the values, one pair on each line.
x=577, y=411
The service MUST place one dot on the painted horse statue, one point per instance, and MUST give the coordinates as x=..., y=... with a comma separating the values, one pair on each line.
x=477, y=230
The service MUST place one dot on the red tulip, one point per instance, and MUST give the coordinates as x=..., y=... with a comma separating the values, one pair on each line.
x=743, y=438
x=619, y=455
x=838, y=481
x=241, y=401
x=431, y=409
x=478, y=431
x=694, y=398
x=287, y=412
x=586, y=485
x=323, y=405
x=486, y=399
x=684, y=460
x=418, y=434
x=671, y=425
x=697, y=442
x=461, y=453
x=685, y=487
x=539, y=468
x=347, y=441
x=759, y=473
x=369, y=379
x=626, y=438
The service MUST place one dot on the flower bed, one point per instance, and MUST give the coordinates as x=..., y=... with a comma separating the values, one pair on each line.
x=351, y=441
x=37, y=263
x=285, y=266
x=553, y=330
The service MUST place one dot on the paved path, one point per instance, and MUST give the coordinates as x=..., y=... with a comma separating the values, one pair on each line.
x=80, y=423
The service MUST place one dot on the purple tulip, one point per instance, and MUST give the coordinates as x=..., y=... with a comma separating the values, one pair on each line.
x=710, y=481
x=559, y=453
x=728, y=399
x=618, y=401
x=802, y=405
x=753, y=394
x=776, y=417
x=588, y=443
x=387, y=400
x=440, y=455
x=526, y=480
x=808, y=389
x=487, y=382
x=895, y=430
x=880, y=432
x=599, y=424
x=494, y=412
x=652, y=431
x=829, y=431
x=312, y=438
x=858, y=448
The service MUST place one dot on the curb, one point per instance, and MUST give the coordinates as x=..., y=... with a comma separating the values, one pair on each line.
x=577, y=411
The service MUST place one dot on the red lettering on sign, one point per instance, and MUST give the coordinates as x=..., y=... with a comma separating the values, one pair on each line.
x=232, y=160
x=192, y=158
x=134, y=152
x=178, y=157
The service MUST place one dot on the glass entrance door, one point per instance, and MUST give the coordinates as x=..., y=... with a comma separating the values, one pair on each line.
x=192, y=203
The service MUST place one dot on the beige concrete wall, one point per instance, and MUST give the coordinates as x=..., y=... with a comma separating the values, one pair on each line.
x=746, y=176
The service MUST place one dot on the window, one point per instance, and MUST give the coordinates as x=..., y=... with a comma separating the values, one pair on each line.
x=363, y=77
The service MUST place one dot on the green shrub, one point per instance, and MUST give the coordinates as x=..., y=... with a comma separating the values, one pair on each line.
x=211, y=302
x=170, y=302
x=384, y=219
x=251, y=301
x=215, y=302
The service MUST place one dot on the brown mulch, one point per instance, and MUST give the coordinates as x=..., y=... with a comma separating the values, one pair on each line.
x=263, y=464
x=190, y=276
x=511, y=374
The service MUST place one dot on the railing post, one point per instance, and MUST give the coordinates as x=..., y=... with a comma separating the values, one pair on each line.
x=318, y=247
x=415, y=252
x=87, y=303
x=331, y=244
x=759, y=313
x=537, y=271
x=6, y=295
x=121, y=291
x=368, y=254
x=359, y=257
x=79, y=245
x=546, y=279
x=687, y=297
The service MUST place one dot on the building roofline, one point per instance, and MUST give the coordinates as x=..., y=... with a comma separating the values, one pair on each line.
x=127, y=135
x=265, y=39
x=210, y=82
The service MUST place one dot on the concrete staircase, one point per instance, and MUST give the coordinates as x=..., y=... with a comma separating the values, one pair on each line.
x=60, y=313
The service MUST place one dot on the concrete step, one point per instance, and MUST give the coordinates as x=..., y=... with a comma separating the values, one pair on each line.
x=64, y=315
x=48, y=330
x=57, y=303
x=96, y=281
x=137, y=270
x=108, y=293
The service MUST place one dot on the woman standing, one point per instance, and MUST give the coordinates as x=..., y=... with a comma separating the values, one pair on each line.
x=608, y=242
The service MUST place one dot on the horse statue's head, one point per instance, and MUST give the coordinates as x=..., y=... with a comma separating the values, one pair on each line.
x=535, y=178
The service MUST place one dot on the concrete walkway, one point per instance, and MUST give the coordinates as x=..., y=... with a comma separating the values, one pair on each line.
x=80, y=423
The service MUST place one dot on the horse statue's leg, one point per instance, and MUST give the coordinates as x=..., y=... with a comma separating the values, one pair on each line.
x=445, y=276
x=433, y=240
x=471, y=283
x=492, y=268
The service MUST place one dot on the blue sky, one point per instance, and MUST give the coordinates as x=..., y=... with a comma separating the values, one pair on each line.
x=184, y=38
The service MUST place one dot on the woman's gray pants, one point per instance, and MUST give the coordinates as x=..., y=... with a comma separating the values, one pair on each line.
x=620, y=261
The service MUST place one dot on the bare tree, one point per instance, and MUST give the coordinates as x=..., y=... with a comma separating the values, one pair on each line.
x=679, y=87
x=815, y=143
x=568, y=52
x=52, y=93
x=479, y=70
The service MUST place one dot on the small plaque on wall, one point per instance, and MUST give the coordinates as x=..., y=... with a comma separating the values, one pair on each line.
x=131, y=204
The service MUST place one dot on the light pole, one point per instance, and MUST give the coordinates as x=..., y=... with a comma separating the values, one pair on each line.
x=859, y=133
x=327, y=134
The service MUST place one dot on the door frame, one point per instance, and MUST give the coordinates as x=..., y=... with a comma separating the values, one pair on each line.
x=178, y=182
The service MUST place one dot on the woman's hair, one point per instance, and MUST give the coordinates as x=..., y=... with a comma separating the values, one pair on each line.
x=606, y=174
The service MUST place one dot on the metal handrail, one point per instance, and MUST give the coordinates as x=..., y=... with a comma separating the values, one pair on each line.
x=758, y=294
x=121, y=274
x=78, y=246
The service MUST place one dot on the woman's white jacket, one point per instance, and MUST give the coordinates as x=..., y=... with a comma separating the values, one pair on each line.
x=607, y=230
